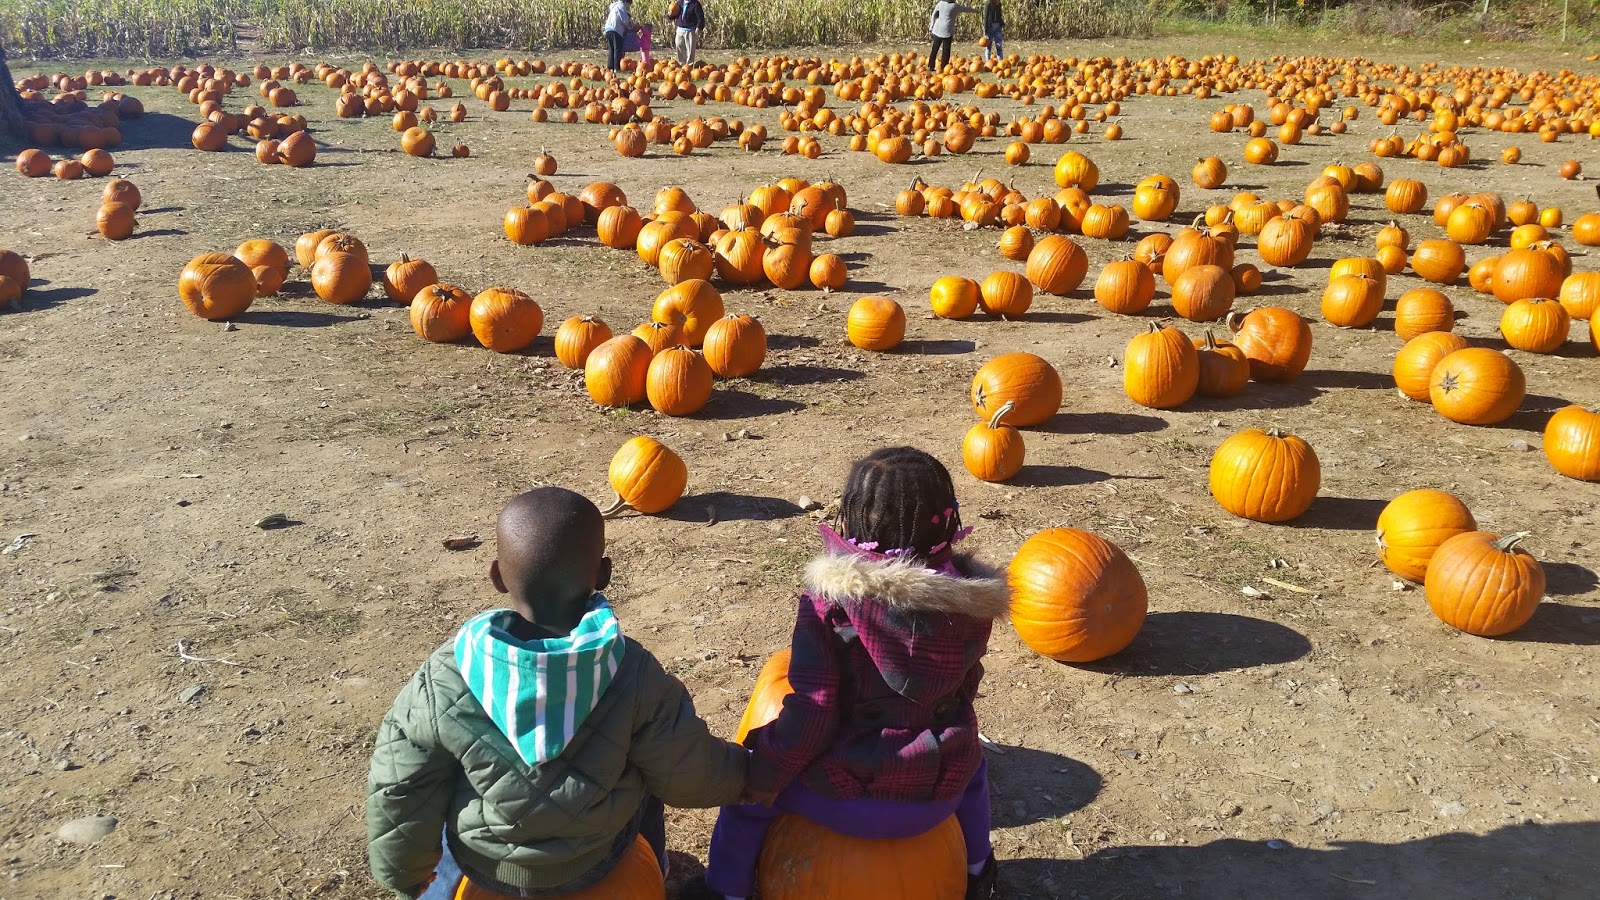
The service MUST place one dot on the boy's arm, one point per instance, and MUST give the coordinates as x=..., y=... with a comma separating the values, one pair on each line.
x=408, y=793
x=810, y=717
x=683, y=763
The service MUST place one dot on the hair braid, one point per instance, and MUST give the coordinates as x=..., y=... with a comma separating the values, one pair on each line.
x=896, y=497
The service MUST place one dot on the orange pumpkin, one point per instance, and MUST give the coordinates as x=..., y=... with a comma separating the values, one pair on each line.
x=1276, y=340
x=1483, y=584
x=678, y=382
x=615, y=372
x=1075, y=596
x=1203, y=293
x=766, y=699
x=801, y=860
x=577, y=337
x=1265, y=476
x=1414, y=364
x=647, y=476
x=1414, y=524
x=1023, y=379
x=1224, y=369
x=735, y=346
x=214, y=286
x=993, y=451
x=1572, y=443
x=1160, y=368
x=1535, y=325
x=1125, y=286
x=1056, y=265
x=441, y=313
x=693, y=304
x=1006, y=294
x=1421, y=311
x=953, y=297
x=876, y=323
x=637, y=876
x=1477, y=386
x=505, y=320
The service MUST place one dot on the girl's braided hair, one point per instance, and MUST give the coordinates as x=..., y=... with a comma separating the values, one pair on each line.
x=900, y=500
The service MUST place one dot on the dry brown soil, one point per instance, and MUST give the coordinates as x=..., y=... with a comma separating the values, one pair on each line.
x=1336, y=741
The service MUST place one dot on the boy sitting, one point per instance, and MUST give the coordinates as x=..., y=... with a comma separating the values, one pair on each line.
x=539, y=743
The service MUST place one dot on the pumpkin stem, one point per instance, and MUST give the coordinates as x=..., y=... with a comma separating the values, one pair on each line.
x=1505, y=544
x=1235, y=320
x=994, y=420
x=1211, y=341
x=614, y=508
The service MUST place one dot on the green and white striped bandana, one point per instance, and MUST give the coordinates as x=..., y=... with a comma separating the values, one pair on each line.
x=540, y=692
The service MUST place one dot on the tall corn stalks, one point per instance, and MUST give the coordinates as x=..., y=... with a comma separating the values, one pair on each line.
x=166, y=28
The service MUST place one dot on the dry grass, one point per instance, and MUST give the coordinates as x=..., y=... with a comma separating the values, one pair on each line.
x=176, y=27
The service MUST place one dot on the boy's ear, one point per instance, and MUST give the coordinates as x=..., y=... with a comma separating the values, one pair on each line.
x=602, y=577
x=495, y=579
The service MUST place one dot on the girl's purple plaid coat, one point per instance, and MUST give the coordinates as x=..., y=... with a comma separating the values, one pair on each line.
x=885, y=666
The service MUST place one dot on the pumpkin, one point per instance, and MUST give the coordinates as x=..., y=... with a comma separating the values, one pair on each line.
x=10, y=292
x=1414, y=364
x=1572, y=442
x=1108, y=223
x=1160, y=368
x=1155, y=201
x=1203, y=293
x=1414, y=524
x=1447, y=205
x=1056, y=265
x=577, y=337
x=1125, y=286
x=505, y=320
x=305, y=246
x=1285, y=242
x=1586, y=230
x=417, y=141
x=1405, y=196
x=1470, y=223
x=1246, y=279
x=1265, y=476
x=953, y=297
x=766, y=698
x=735, y=346
x=1006, y=294
x=616, y=371
x=828, y=272
x=1224, y=369
x=214, y=286
x=1260, y=152
x=341, y=277
x=787, y=266
x=1483, y=584
x=1526, y=273
x=1351, y=301
x=207, y=136
x=1276, y=340
x=1074, y=169
x=598, y=197
x=694, y=304
x=876, y=323
x=678, y=382
x=1580, y=294
x=33, y=163
x=1075, y=596
x=1423, y=310
x=618, y=227
x=339, y=242
x=1392, y=259
x=1476, y=386
x=121, y=190
x=441, y=313
x=1392, y=235
x=655, y=235
x=739, y=256
x=637, y=876
x=1209, y=173
x=1026, y=381
x=683, y=259
x=801, y=860
x=269, y=279
x=97, y=163
x=297, y=150
x=647, y=476
x=1535, y=325
x=1016, y=243
x=992, y=450
x=262, y=252
x=1192, y=248
x=658, y=336
x=405, y=277
x=1438, y=261
x=1330, y=202
x=114, y=221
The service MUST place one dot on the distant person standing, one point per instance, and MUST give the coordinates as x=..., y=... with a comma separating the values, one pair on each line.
x=993, y=24
x=943, y=25
x=619, y=28
x=690, y=17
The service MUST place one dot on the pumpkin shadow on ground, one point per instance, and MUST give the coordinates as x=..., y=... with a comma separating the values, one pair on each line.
x=291, y=318
x=1341, y=514
x=1570, y=579
x=1099, y=423
x=1534, y=414
x=730, y=507
x=156, y=232
x=1257, y=396
x=35, y=300
x=792, y=341
x=1189, y=642
x=1526, y=860
x=1559, y=623
x=801, y=374
x=871, y=230
x=1057, y=476
x=1114, y=188
x=923, y=347
x=1056, y=317
x=1340, y=378
x=1028, y=786
x=730, y=403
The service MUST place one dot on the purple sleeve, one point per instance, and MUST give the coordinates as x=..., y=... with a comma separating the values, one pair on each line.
x=810, y=717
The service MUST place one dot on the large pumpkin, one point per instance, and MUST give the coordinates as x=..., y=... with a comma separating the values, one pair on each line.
x=1414, y=364
x=1414, y=524
x=1438, y=261
x=766, y=699
x=215, y=286
x=1477, y=386
x=1125, y=286
x=1265, y=476
x=1203, y=293
x=1285, y=242
x=647, y=476
x=678, y=382
x=954, y=297
x=615, y=372
x=577, y=337
x=1526, y=273
x=1572, y=442
x=1276, y=340
x=801, y=860
x=1483, y=584
x=1056, y=265
x=441, y=313
x=1580, y=294
x=341, y=277
x=405, y=277
x=1160, y=368
x=1535, y=325
x=1075, y=596
x=1423, y=310
x=1006, y=294
x=14, y=266
x=683, y=259
x=735, y=346
x=636, y=877
x=876, y=323
x=1023, y=379
x=505, y=320
x=694, y=304
x=1351, y=301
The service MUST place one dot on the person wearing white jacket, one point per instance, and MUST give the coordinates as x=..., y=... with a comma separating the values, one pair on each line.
x=619, y=24
x=942, y=22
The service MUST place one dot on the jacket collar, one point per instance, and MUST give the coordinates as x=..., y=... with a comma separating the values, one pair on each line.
x=908, y=586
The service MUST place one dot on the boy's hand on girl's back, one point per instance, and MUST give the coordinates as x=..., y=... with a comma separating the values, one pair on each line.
x=753, y=798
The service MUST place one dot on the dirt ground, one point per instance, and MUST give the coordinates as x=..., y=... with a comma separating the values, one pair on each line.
x=1333, y=742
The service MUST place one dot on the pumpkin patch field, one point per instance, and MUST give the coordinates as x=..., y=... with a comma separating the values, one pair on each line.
x=1270, y=380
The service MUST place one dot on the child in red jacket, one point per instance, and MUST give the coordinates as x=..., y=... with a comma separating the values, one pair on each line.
x=879, y=738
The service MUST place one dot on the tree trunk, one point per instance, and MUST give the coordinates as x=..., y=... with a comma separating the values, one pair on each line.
x=11, y=121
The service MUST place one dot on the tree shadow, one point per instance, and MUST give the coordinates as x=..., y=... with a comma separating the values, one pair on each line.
x=1341, y=514
x=795, y=375
x=34, y=300
x=1569, y=579
x=291, y=318
x=731, y=403
x=730, y=507
x=1100, y=423
x=1554, y=862
x=1203, y=643
x=157, y=131
x=919, y=347
x=1028, y=785
x=1057, y=476
x=1336, y=378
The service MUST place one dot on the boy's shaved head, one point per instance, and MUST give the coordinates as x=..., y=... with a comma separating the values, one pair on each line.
x=550, y=549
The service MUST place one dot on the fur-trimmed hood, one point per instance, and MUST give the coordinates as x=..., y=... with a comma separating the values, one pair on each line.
x=908, y=587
